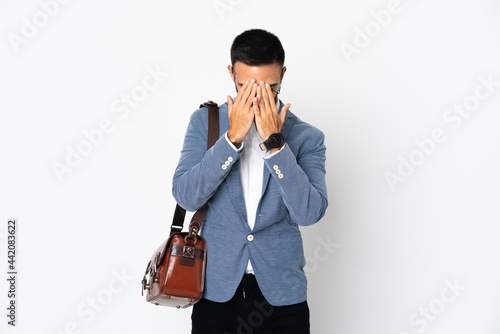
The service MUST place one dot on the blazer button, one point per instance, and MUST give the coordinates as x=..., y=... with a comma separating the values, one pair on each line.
x=249, y=237
x=230, y=159
x=275, y=167
x=224, y=167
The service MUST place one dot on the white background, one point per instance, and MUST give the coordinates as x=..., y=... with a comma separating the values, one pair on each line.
x=395, y=249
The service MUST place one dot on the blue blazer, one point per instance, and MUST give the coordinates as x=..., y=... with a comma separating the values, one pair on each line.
x=293, y=194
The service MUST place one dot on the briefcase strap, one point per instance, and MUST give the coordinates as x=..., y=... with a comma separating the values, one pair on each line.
x=180, y=213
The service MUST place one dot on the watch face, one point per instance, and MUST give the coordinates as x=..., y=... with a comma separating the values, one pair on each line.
x=275, y=140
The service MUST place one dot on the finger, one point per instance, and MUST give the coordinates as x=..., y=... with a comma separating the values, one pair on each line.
x=247, y=91
x=251, y=97
x=261, y=99
x=265, y=97
x=270, y=95
x=262, y=96
x=229, y=105
x=283, y=112
x=255, y=107
x=257, y=114
x=240, y=92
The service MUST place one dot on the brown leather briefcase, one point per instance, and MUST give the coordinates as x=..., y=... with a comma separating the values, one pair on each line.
x=175, y=275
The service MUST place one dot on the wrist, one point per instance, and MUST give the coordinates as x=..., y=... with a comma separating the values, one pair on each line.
x=277, y=149
x=273, y=143
x=233, y=140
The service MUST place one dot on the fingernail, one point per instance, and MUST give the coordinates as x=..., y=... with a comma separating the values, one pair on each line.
x=246, y=82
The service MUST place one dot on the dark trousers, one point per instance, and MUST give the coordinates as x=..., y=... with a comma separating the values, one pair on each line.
x=248, y=312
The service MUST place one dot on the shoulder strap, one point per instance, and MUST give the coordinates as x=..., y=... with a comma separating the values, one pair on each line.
x=213, y=122
x=180, y=213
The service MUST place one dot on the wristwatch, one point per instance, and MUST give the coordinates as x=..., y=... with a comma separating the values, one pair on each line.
x=275, y=140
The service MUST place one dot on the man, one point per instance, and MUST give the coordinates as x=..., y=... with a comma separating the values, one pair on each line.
x=263, y=178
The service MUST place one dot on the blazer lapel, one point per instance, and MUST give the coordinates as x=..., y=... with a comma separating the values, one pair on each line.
x=233, y=179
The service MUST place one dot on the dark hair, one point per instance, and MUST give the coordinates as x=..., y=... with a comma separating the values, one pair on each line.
x=256, y=47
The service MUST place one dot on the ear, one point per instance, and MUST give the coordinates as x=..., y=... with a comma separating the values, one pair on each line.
x=283, y=73
x=230, y=69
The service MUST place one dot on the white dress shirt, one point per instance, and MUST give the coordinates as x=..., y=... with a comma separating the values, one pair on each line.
x=251, y=174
